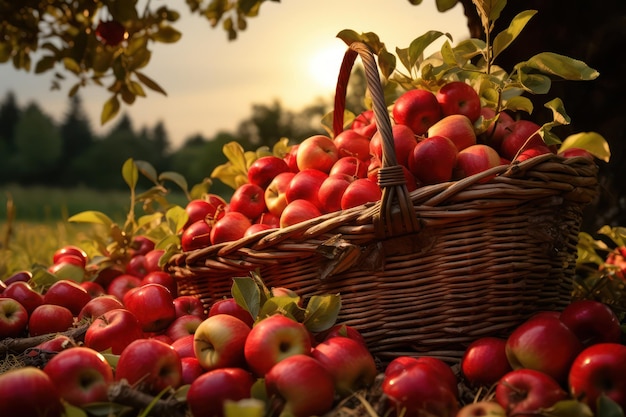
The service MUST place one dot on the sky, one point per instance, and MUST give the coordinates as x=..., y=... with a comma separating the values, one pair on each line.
x=289, y=53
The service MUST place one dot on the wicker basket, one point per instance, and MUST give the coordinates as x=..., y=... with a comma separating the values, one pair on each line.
x=426, y=272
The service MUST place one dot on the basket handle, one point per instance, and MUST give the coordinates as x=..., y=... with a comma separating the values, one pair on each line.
x=396, y=214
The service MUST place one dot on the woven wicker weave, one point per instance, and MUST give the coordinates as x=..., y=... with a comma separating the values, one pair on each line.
x=426, y=272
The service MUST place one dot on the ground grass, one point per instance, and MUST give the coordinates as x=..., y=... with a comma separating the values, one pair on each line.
x=33, y=221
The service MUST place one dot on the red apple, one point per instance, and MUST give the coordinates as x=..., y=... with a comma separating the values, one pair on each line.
x=272, y=340
x=275, y=193
x=191, y=370
x=305, y=185
x=256, y=228
x=150, y=365
x=184, y=346
x=350, y=165
x=298, y=211
x=93, y=288
x=81, y=375
x=219, y=342
x=531, y=152
x=114, y=330
x=599, y=370
x=291, y=158
x=70, y=250
x=98, y=306
x=121, y=284
x=13, y=318
x=26, y=295
x=404, y=141
x=332, y=190
x=592, y=322
x=317, y=152
x=269, y=219
x=484, y=361
x=544, y=344
x=365, y=123
x=475, y=159
x=262, y=171
x=67, y=294
x=29, y=392
x=359, y=192
x=140, y=245
x=137, y=266
x=352, y=143
x=153, y=305
x=151, y=260
x=342, y=330
x=230, y=306
x=418, y=109
x=522, y=134
x=111, y=32
x=58, y=343
x=49, y=318
x=23, y=276
x=189, y=304
x=456, y=127
x=229, y=228
x=183, y=326
x=301, y=386
x=574, y=152
x=433, y=159
x=208, y=393
x=417, y=388
x=458, y=97
x=249, y=200
x=525, y=392
x=349, y=362
x=204, y=209
x=197, y=235
x=163, y=278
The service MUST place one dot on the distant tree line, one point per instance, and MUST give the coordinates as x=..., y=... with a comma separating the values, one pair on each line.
x=36, y=150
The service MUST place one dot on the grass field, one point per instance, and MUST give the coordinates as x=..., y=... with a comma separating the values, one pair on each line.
x=39, y=224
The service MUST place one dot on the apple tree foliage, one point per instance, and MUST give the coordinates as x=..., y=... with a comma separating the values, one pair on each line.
x=103, y=42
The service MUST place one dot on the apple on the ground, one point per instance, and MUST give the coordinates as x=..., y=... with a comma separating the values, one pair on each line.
x=219, y=342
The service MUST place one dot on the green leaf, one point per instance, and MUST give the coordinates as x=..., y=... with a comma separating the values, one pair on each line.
x=45, y=63
x=198, y=190
x=504, y=38
x=535, y=83
x=110, y=109
x=130, y=173
x=349, y=36
x=5, y=51
x=176, y=217
x=559, y=115
x=593, y=142
x=43, y=279
x=235, y=153
x=248, y=407
x=568, y=408
x=561, y=66
x=176, y=178
x=321, y=312
x=92, y=216
x=150, y=83
x=616, y=234
x=489, y=11
x=71, y=65
x=386, y=63
x=469, y=48
x=167, y=34
x=519, y=103
x=70, y=410
x=284, y=305
x=147, y=170
x=246, y=293
x=418, y=46
x=608, y=408
x=444, y=5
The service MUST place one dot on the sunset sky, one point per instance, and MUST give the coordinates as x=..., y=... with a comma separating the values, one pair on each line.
x=289, y=52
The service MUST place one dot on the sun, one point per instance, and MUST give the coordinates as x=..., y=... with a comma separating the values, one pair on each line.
x=323, y=65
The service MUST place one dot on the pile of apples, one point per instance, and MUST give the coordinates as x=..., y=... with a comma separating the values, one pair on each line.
x=438, y=137
x=138, y=331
